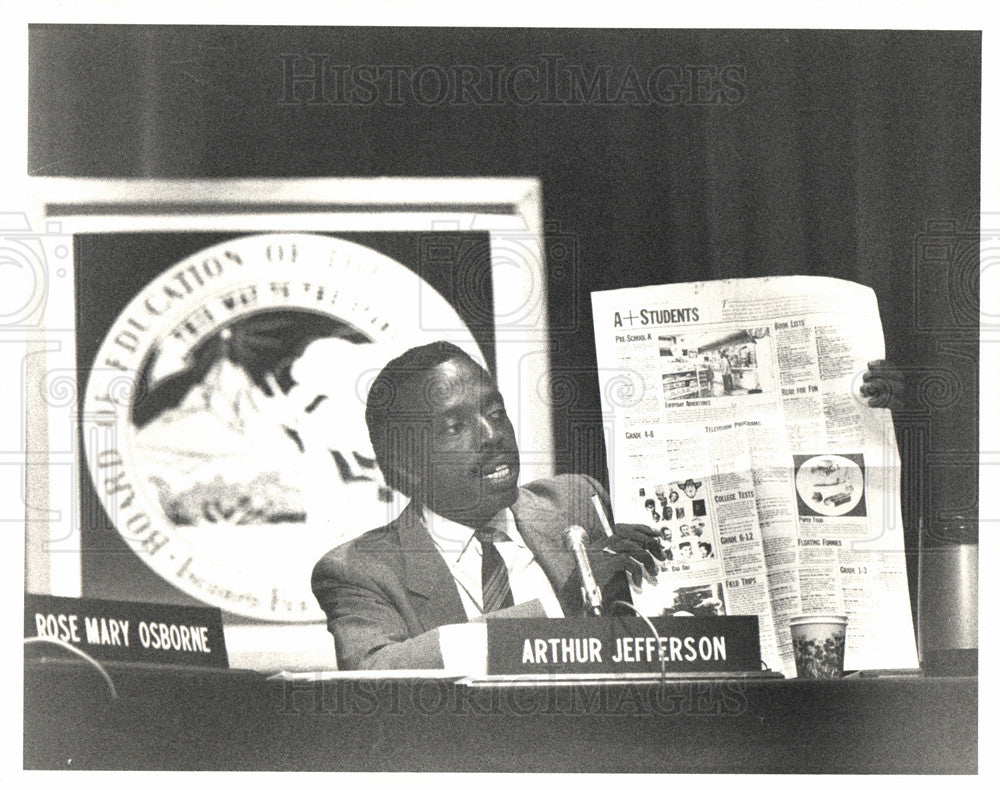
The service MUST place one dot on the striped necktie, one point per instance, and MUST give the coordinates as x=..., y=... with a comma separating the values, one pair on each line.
x=496, y=582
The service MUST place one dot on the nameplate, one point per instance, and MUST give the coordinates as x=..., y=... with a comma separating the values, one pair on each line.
x=622, y=645
x=130, y=631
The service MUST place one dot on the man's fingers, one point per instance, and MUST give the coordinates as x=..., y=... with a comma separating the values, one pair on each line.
x=634, y=570
x=638, y=571
x=633, y=548
x=641, y=529
x=606, y=564
x=880, y=388
x=641, y=556
x=629, y=555
x=642, y=535
x=875, y=390
x=883, y=386
x=636, y=532
x=650, y=545
x=883, y=394
x=613, y=571
x=888, y=374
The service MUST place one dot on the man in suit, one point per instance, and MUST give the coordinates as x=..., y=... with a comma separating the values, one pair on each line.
x=471, y=545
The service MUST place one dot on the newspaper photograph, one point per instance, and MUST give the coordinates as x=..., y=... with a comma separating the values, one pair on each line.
x=735, y=428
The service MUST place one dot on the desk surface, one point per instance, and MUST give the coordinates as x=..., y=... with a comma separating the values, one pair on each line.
x=166, y=719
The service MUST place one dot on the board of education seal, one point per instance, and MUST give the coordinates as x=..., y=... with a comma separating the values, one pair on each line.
x=223, y=424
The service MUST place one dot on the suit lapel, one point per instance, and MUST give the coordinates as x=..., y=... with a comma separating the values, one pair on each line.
x=435, y=598
x=542, y=526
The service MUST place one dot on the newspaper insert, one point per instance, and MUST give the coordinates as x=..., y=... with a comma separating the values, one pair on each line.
x=735, y=428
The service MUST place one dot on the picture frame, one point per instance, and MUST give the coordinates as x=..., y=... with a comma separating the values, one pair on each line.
x=481, y=240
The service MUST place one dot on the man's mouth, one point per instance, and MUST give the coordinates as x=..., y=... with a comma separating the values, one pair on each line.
x=499, y=470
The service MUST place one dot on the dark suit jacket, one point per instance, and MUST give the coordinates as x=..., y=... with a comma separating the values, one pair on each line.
x=386, y=592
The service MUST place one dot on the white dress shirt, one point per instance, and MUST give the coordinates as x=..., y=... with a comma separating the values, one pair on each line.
x=463, y=554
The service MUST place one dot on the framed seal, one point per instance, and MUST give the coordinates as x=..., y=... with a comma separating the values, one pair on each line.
x=215, y=388
x=225, y=412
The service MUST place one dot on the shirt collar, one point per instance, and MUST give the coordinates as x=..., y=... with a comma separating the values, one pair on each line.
x=451, y=537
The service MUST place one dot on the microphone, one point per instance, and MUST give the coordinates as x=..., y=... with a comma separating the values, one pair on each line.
x=574, y=539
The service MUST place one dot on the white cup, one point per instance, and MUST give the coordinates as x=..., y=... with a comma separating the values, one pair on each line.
x=818, y=640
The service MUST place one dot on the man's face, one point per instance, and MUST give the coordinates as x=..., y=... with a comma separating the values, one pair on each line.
x=472, y=457
x=691, y=489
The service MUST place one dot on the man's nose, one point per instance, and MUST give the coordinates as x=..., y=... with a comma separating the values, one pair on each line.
x=488, y=432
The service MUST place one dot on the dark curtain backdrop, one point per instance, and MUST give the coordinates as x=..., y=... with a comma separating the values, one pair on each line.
x=846, y=153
